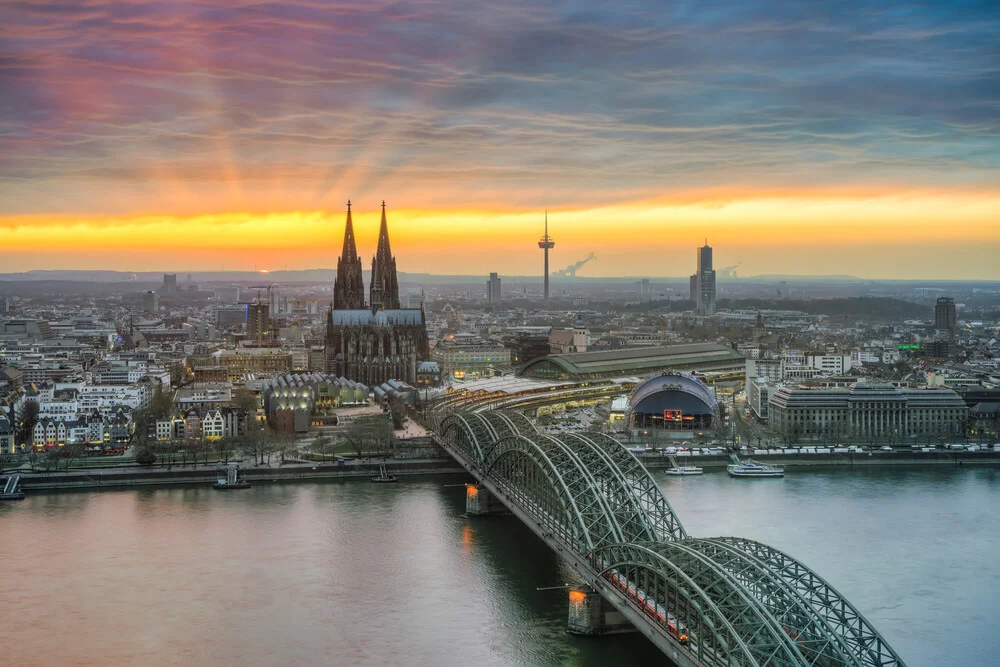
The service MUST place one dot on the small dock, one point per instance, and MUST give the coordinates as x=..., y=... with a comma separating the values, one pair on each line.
x=11, y=487
x=229, y=478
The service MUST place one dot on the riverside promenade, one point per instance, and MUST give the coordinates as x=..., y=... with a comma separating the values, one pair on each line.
x=134, y=475
x=124, y=476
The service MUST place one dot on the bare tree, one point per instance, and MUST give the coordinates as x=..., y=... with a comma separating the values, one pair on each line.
x=245, y=401
x=178, y=373
x=397, y=410
x=160, y=403
x=28, y=421
x=370, y=434
x=224, y=448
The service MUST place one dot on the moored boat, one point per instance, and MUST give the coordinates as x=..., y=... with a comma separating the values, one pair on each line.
x=683, y=470
x=750, y=468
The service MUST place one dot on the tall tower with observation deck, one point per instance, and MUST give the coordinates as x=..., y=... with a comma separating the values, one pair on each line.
x=546, y=243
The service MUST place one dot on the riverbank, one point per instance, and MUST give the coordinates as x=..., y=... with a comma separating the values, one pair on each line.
x=111, y=478
x=896, y=458
x=134, y=476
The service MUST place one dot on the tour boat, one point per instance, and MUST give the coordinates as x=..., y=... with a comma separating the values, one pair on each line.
x=750, y=468
x=683, y=470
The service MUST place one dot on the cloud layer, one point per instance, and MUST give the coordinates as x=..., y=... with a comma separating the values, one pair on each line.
x=120, y=107
x=476, y=112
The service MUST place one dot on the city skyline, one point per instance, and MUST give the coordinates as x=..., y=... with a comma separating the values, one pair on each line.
x=799, y=139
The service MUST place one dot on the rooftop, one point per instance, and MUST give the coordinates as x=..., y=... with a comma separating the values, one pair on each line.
x=639, y=360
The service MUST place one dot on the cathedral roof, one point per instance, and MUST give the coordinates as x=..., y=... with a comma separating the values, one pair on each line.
x=356, y=318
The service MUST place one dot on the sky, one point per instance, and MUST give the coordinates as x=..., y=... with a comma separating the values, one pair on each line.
x=797, y=137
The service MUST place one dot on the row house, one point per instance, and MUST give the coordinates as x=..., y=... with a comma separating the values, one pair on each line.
x=193, y=425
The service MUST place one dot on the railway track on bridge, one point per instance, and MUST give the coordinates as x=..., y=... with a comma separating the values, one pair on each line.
x=592, y=501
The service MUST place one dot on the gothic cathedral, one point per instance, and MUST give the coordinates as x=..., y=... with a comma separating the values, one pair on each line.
x=383, y=341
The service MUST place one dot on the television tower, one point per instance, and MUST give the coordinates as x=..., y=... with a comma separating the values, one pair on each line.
x=545, y=243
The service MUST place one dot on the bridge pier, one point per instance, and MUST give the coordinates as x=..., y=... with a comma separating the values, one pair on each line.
x=480, y=502
x=590, y=614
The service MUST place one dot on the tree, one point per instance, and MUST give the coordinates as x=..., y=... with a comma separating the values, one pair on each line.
x=397, y=410
x=28, y=421
x=369, y=434
x=260, y=443
x=160, y=403
x=285, y=445
x=6, y=461
x=178, y=373
x=144, y=456
x=224, y=448
x=65, y=455
x=141, y=420
x=245, y=401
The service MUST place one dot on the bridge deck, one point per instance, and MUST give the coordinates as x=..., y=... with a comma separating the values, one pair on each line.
x=738, y=601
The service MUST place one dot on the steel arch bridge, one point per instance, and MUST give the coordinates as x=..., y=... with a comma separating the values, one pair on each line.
x=740, y=601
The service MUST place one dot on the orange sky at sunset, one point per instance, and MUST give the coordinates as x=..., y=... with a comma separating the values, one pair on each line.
x=813, y=233
x=798, y=138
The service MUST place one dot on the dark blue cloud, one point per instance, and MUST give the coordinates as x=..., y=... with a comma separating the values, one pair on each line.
x=461, y=102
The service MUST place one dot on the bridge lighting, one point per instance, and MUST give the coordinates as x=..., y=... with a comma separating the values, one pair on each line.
x=577, y=596
x=471, y=490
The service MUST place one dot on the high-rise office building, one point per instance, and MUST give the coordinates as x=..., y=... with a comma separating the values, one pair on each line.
x=258, y=323
x=493, y=290
x=945, y=318
x=705, y=281
x=150, y=302
x=169, y=283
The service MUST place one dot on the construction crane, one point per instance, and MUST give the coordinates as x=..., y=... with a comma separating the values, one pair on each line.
x=570, y=270
x=730, y=271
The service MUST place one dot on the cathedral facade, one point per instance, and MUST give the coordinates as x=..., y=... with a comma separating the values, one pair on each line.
x=381, y=341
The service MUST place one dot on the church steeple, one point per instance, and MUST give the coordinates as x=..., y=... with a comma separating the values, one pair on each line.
x=349, y=287
x=383, y=251
x=350, y=248
x=384, y=288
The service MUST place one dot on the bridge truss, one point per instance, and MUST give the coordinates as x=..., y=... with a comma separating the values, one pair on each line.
x=742, y=602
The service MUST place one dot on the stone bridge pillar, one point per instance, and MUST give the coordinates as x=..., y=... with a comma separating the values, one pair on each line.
x=591, y=614
x=480, y=502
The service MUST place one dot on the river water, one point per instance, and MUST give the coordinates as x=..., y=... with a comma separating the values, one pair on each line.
x=351, y=573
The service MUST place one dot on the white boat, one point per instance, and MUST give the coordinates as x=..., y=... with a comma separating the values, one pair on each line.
x=683, y=470
x=750, y=468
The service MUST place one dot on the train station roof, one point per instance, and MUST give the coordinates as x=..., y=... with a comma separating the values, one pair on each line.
x=698, y=357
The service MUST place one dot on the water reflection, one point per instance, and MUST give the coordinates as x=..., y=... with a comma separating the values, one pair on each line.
x=355, y=573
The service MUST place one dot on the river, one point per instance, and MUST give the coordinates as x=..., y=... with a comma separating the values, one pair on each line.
x=353, y=573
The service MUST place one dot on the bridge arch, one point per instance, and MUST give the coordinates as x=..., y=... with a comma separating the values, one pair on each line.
x=744, y=603
x=548, y=481
x=640, y=574
x=867, y=646
x=653, y=504
x=799, y=619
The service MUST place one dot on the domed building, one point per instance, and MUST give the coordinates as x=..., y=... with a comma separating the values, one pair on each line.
x=672, y=401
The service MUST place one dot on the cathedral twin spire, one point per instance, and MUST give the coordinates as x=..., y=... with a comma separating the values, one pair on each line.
x=348, y=288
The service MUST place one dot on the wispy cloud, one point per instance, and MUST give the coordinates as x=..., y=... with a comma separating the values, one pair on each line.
x=116, y=107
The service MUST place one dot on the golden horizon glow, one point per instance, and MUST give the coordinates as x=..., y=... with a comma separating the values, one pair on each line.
x=627, y=237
